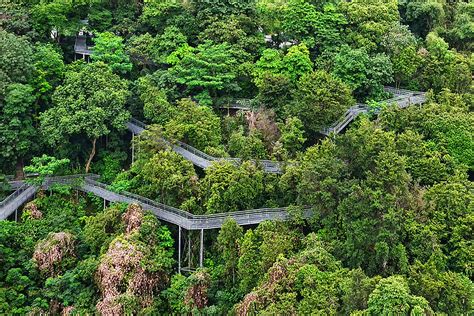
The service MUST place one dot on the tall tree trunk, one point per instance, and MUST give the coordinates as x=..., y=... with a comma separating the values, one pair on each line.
x=91, y=155
x=19, y=173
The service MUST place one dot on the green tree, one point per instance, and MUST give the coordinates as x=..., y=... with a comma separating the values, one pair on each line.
x=239, y=31
x=249, y=266
x=423, y=16
x=292, y=135
x=318, y=180
x=392, y=295
x=149, y=52
x=18, y=135
x=444, y=68
x=227, y=187
x=194, y=124
x=228, y=242
x=140, y=50
x=51, y=19
x=319, y=100
x=364, y=74
x=401, y=46
x=461, y=33
x=90, y=102
x=206, y=71
x=156, y=107
x=109, y=49
x=274, y=91
x=297, y=62
x=446, y=291
x=317, y=29
x=157, y=15
x=16, y=63
x=49, y=69
x=167, y=178
x=207, y=9
x=368, y=21
x=45, y=166
x=277, y=238
x=175, y=294
x=293, y=65
x=246, y=146
x=167, y=43
x=16, y=17
x=449, y=207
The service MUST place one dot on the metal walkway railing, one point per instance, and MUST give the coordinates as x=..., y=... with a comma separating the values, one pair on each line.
x=402, y=98
x=200, y=158
x=169, y=214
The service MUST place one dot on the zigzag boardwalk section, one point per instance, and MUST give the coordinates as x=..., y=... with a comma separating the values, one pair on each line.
x=402, y=98
x=184, y=220
x=198, y=157
x=169, y=214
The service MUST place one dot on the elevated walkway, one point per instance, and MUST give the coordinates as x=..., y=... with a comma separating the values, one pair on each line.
x=402, y=98
x=200, y=158
x=168, y=214
x=184, y=220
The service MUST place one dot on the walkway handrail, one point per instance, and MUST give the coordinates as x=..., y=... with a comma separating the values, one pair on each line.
x=141, y=199
x=137, y=122
x=238, y=104
x=269, y=165
x=180, y=212
x=402, y=98
x=183, y=218
x=195, y=151
x=14, y=195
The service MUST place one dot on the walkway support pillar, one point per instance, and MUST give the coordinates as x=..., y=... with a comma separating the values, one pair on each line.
x=133, y=148
x=189, y=249
x=104, y=205
x=179, y=249
x=16, y=215
x=201, y=249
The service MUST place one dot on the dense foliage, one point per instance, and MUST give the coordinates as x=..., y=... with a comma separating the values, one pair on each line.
x=381, y=215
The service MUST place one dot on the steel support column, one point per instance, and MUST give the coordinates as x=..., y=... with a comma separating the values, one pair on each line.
x=189, y=249
x=133, y=148
x=179, y=249
x=201, y=249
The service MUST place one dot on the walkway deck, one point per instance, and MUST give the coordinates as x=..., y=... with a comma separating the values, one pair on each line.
x=200, y=158
x=402, y=98
x=166, y=213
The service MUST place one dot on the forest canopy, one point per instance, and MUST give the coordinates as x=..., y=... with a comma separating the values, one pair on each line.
x=352, y=121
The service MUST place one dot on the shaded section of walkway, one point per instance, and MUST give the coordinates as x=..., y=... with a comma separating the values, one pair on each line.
x=80, y=46
x=12, y=202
